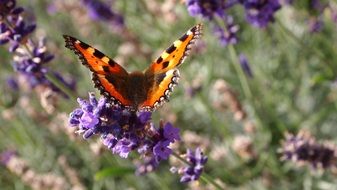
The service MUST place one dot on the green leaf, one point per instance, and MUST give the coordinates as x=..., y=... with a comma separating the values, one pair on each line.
x=113, y=172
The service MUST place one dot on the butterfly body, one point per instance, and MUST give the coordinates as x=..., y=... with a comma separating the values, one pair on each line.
x=137, y=90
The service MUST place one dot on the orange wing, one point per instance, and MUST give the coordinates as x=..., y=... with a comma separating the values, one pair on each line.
x=164, y=70
x=162, y=87
x=108, y=76
x=176, y=53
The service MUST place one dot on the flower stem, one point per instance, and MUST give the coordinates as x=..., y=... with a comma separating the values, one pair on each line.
x=205, y=177
x=67, y=91
x=240, y=73
x=234, y=59
x=312, y=49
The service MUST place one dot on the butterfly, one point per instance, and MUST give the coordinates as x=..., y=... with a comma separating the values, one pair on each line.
x=136, y=91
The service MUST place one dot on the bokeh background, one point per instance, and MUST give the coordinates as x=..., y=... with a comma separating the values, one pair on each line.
x=246, y=84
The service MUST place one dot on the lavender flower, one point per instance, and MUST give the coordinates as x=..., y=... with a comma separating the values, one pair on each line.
x=30, y=58
x=99, y=10
x=245, y=65
x=12, y=83
x=123, y=131
x=13, y=28
x=6, y=156
x=228, y=35
x=315, y=25
x=304, y=150
x=192, y=172
x=260, y=13
x=316, y=9
x=212, y=9
x=208, y=8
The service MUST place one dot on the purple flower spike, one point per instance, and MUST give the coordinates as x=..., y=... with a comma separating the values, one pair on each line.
x=211, y=9
x=30, y=58
x=12, y=83
x=99, y=10
x=6, y=156
x=6, y=7
x=208, y=8
x=227, y=35
x=192, y=172
x=303, y=149
x=260, y=13
x=123, y=131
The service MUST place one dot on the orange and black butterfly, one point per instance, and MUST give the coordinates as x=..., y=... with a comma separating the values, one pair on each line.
x=136, y=91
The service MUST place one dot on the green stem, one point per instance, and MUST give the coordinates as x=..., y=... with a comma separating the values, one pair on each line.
x=240, y=73
x=234, y=60
x=297, y=40
x=205, y=177
x=61, y=86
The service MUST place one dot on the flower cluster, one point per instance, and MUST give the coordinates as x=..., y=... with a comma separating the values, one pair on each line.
x=228, y=35
x=196, y=161
x=304, y=150
x=13, y=28
x=122, y=131
x=30, y=58
x=212, y=10
x=258, y=13
x=99, y=10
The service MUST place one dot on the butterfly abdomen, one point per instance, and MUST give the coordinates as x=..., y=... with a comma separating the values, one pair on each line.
x=137, y=88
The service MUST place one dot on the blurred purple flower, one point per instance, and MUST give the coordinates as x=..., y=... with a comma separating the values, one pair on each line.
x=315, y=25
x=260, y=13
x=32, y=63
x=12, y=83
x=99, y=10
x=245, y=65
x=30, y=58
x=6, y=156
x=227, y=35
x=123, y=131
x=303, y=149
x=150, y=164
x=13, y=28
x=316, y=10
x=209, y=9
x=192, y=172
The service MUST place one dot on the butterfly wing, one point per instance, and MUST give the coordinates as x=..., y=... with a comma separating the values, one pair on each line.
x=163, y=71
x=175, y=55
x=108, y=76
